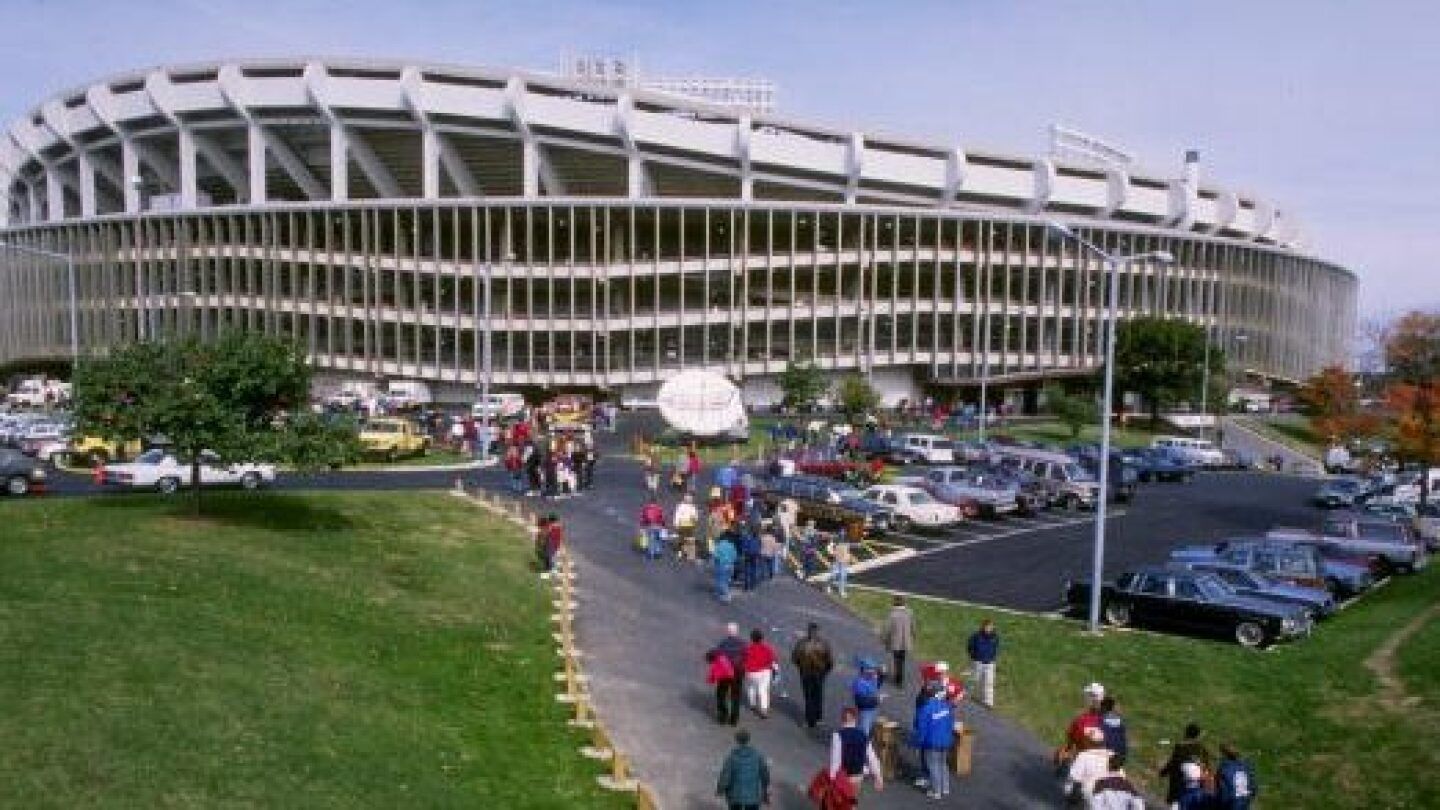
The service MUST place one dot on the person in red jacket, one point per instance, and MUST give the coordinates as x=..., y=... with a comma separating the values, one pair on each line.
x=652, y=523
x=759, y=664
x=692, y=468
x=553, y=537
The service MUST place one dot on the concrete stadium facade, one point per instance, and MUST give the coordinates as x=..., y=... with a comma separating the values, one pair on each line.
x=400, y=219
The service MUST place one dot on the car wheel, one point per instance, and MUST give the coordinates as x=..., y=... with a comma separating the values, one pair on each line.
x=1071, y=503
x=17, y=485
x=250, y=481
x=168, y=485
x=391, y=456
x=1250, y=634
x=1117, y=614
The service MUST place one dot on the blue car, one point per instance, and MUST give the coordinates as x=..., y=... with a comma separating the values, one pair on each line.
x=1159, y=464
x=1245, y=582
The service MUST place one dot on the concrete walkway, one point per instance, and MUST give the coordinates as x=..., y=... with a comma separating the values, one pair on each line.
x=644, y=628
x=1242, y=436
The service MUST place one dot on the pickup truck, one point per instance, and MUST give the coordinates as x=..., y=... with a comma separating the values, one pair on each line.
x=391, y=439
x=1191, y=601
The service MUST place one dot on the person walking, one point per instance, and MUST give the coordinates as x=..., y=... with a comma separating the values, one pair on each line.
x=758, y=663
x=852, y=755
x=933, y=734
x=651, y=464
x=652, y=524
x=1092, y=763
x=554, y=540
x=813, y=658
x=1114, y=790
x=749, y=557
x=840, y=563
x=692, y=468
x=865, y=690
x=686, y=519
x=984, y=648
x=722, y=558
x=719, y=673
x=899, y=636
x=1188, y=750
x=513, y=465
x=1235, y=783
x=744, y=781
x=727, y=691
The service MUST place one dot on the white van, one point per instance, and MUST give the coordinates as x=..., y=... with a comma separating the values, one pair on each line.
x=1201, y=452
x=499, y=405
x=403, y=394
x=931, y=448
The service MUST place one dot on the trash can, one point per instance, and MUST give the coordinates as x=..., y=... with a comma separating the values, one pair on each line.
x=961, y=755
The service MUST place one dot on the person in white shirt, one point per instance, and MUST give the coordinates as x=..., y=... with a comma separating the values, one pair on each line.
x=686, y=519
x=1088, y=766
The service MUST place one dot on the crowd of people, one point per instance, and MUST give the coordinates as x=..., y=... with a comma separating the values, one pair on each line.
x=1093, y=755
x=744, y=671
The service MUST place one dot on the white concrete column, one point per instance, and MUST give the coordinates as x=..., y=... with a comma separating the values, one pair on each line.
x=87, y=182
x=32, y=203
x=530, y=168
x=255, y=144
x=189, y=187
x=54, y=195
x=130, y=170
x=5, y=205
x=430, y=162
x=635, y=185
x=339, y=163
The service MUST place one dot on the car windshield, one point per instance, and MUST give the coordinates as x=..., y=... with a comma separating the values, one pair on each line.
x=943, y=445
x=151, y=457
x=920, y=498
x=1391, y=532
x=383, y=427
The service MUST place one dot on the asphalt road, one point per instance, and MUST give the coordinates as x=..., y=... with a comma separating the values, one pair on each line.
x=1026, y=569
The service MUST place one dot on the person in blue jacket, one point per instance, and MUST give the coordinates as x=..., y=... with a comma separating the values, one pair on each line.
x=865, y=689
x=934, y=735
x=1235, y=783
x=723, y=559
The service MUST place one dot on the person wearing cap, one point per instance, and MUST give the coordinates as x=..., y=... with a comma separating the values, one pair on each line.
x=744, y=781
x=899, y=637
x=984, y=649
x=865, y=690
x=1076, y=732
x=686, y=518
x=813, y=658
x=1190, y=749
x=1089, y=765
x=933, y=734
x=1114, y=790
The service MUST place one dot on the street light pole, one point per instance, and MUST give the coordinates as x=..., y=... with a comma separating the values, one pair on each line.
x=1205, y=383
x=984, y=367
x=69, y=260
x=485, y=404
x=1112, y=268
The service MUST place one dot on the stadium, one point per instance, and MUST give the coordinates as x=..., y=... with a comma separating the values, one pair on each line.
x=405, y=220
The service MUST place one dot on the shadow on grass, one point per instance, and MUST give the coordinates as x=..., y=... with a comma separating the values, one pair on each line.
x=269, y=511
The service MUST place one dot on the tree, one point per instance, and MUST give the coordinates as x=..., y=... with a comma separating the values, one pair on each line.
x=1162, y=360
x=1412, y=395
x=803, y=384
x=856, y=396
x=1329, y=398
x=243, y=397
x=1074, y=411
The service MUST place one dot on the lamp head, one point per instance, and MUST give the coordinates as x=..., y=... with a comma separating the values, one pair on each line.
x=1059, y=230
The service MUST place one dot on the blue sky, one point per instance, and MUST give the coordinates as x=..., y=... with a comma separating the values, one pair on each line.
x=1328, y=108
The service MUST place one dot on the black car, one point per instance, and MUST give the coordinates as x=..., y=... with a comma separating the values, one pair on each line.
x=878, y=445
x=1191, y=601
x=1159, y=464
x=831, y=504
x=20, y=474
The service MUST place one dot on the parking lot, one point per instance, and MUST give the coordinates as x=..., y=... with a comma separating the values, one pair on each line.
x=1022, y=563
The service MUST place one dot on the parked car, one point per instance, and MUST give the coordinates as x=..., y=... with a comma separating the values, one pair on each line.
x=840, y=469
x=391, y=439
x=1192, y=601
x=1032, y=496
x=1391, y=540
x=164, y=472
x=892, y=451
x=21, y=474
x=931, y=448
x=1200, y=452
x=1123, y=476
x=1276, y=558
x=1341, y=492
x=913, y=507
x=831, y=504
x=991, y=495
x=1245, y=582
x=1160, y=464
x=1427, y=522
x=1066, y=483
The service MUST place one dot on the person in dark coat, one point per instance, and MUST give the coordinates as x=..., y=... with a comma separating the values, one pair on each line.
x=727, y=693
x=814, y=660
x=1190, y=749
x=744, y=781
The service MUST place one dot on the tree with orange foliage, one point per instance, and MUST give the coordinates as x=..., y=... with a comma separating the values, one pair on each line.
x=1332, y=402
x=1412, y=358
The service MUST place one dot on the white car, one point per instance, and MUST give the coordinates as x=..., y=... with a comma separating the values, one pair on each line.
x=160, y=470
x=913, y=506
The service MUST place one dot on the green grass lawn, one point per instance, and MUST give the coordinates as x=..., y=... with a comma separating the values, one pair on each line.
x=435, y=457
x=1051, y=432
x=1308, y=713
x=1294, y=430
x=284, y=650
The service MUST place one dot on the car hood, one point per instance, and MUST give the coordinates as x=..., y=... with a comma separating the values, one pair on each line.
x=1279, y=610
